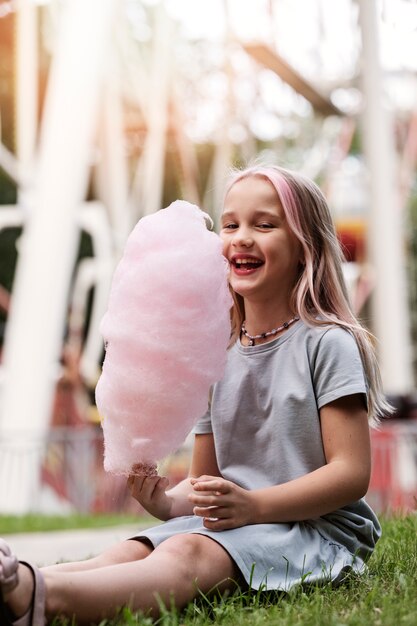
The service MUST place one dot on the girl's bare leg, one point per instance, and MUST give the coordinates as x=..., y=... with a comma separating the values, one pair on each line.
x=177, y=569
x=123, y=552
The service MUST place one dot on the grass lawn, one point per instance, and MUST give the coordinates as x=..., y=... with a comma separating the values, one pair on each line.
x=34, y=523
x=385, y=596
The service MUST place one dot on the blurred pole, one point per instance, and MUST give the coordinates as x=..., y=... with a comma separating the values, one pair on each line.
x=48, y=248
x=187, y=157
x=223, y=153
x=112, y=174
x=390, y=312
x=26, y=86
x=153, y=159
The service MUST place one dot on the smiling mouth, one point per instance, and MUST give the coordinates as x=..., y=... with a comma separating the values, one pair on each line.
x=247, y=264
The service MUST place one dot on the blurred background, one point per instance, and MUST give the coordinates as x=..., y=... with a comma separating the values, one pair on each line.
x=112, y=109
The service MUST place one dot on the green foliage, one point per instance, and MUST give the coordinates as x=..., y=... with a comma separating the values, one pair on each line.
x=9, y=239
x=8, y=189
x=356, y=145
x=8, y=255
x=411, y=230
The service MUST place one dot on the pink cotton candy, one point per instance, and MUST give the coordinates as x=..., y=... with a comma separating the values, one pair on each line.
x=166, y=329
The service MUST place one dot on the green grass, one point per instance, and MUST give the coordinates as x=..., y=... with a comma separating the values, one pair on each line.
x=34, y=522
x=385, y=596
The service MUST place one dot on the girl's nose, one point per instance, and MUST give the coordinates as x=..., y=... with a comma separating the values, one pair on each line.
x=243, y=238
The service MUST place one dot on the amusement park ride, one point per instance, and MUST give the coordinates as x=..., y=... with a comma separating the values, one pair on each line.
x=45, y=380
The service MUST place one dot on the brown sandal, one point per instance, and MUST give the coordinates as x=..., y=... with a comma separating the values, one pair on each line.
x=35, y=616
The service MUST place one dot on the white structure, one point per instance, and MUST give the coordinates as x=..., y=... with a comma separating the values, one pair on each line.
x=390, y=308
x=43, y=274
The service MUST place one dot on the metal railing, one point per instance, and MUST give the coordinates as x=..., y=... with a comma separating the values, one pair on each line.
x=68, y=470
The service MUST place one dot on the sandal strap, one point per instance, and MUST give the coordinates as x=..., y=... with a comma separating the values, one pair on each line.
x=36, y=614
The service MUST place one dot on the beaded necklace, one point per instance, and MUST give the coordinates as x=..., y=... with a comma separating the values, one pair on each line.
x=270, y=333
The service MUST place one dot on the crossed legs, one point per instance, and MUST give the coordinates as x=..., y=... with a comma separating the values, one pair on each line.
x=131, y=575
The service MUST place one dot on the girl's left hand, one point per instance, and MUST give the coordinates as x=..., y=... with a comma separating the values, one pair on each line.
x=221, y=503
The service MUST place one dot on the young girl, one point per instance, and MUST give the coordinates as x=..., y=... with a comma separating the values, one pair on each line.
x=281, y=461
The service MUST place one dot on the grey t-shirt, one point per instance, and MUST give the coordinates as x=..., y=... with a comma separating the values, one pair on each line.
x=265, y=420
x=265, y=411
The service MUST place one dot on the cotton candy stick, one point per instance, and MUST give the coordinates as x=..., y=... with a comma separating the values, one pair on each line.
x=166, y=332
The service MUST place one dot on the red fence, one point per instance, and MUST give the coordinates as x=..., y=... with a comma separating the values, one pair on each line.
x=394, y=466
x=73, y=477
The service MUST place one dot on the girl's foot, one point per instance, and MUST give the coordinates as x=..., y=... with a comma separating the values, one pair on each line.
x=22, y=591
x=8, y=569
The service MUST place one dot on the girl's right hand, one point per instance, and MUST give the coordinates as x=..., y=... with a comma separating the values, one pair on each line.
x=150, y=492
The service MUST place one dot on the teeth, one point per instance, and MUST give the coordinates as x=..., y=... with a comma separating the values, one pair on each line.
x=247, y=261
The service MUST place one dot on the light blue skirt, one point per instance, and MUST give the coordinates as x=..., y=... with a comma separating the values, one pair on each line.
x=281, y=556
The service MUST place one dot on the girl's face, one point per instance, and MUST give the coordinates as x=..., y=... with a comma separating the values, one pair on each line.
x=263, y=253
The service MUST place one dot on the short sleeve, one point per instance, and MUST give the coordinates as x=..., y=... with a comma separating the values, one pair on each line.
x=337, y=367
x=203, y=425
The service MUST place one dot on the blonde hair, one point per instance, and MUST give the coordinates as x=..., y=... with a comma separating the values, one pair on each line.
x=319, y=296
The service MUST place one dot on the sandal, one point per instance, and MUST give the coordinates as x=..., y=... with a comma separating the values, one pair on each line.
x=35, y=616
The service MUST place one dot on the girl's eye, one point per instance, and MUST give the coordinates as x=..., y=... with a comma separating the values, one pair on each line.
x=265, y=225
x=230, y=226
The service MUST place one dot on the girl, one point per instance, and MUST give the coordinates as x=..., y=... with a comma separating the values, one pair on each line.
x=281, y=461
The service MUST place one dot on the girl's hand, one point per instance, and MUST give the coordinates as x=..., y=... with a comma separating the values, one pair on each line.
x=221, y=503
x=150, y=492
